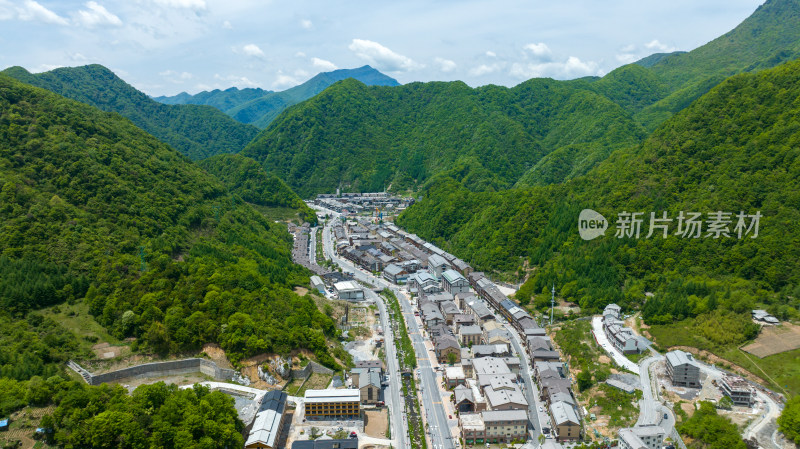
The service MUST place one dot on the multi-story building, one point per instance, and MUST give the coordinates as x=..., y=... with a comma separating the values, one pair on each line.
x=646, y=437
x=269, y=422
x=505, y=426
x=683, y=369
x=437, y=265
x=470, y=335
x=454, y=282
x=736, y=388
x=566, y=422
x=332, y=404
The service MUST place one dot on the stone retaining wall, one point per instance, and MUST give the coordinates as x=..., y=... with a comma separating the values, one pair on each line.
x=161, y=369
x=312, y=367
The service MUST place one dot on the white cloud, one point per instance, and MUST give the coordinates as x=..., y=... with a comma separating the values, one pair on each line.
x=235, y=81
x=176, y=77
x=300, y=73
x=33, y=11
x=96, y=15
x=627, y=58
x=485, y=69
x=253, y=50
x=284, y=81
x=491, y=54
x=227, y=25
x=573, y=67
x=658, y=46
x=445, y=65
x=300, y=54
x=630, y=48
x=323, y=65
x=540, y=51
x=196, y=5
x=381, y=57
x=307, y=24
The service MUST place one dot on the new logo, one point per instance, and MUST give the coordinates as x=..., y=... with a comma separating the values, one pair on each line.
x=591, y=224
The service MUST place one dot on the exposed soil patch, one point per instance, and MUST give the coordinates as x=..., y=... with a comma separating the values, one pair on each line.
x=376, y=423
x=774, y=340
x=217, y=355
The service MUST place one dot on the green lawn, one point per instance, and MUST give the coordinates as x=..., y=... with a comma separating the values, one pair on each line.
x=77, y=319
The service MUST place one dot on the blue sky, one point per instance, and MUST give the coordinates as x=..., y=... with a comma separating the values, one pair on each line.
x=169, y=46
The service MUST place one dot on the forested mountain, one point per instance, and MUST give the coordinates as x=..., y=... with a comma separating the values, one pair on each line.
x=733, y=150
x=770, y=36
x=245, y=178
x=368, y=138
x=196, y=131
x=260, y=107
x=220, y=99
x=95, y=210
x=539, y=132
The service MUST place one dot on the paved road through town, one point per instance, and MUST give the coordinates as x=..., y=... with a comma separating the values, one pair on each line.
x=432, y=402
x=393, y=398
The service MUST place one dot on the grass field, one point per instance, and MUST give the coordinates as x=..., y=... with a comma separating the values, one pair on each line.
x=76, y=318
x=315, y=382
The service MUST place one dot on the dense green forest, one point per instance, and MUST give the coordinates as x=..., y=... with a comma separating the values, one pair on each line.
x=93, y=209
x=735, y=149
x=196, y=131
x=245, y=178
x=156, y=415
x=709, y=430
x=259, y=107
x=789, y=421
x=371, y=138
x=537, y=133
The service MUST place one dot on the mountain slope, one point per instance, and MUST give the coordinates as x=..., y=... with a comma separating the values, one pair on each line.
x=770, y=36
x=537, y=133
x=259, y=107
x=95, y=211
x=368, y=138
x=195, y=131
x=220, y=99
x=245, y=178
x=735, y=149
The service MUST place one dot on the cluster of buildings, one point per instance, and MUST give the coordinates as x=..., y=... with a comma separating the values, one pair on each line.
x=684, y=371
x=355, y=203
x=623, y=338
x=459, y=309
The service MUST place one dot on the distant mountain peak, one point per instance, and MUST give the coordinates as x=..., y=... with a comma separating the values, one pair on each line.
x=259, y=107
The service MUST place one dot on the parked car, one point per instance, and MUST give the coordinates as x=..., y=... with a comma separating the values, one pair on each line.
x=450, y=416
x=541, y=410
x=353, y=434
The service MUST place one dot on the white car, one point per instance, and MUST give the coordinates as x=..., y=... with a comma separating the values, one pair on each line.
x=541, y=410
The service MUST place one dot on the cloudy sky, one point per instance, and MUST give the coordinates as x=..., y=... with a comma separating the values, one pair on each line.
x=169, y=46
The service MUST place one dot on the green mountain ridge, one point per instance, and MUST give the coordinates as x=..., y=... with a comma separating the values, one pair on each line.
x=537, y=133
x=368, y=138
x=734, y=149
x=260, y=107
x=196, y=131
x=95, y=211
